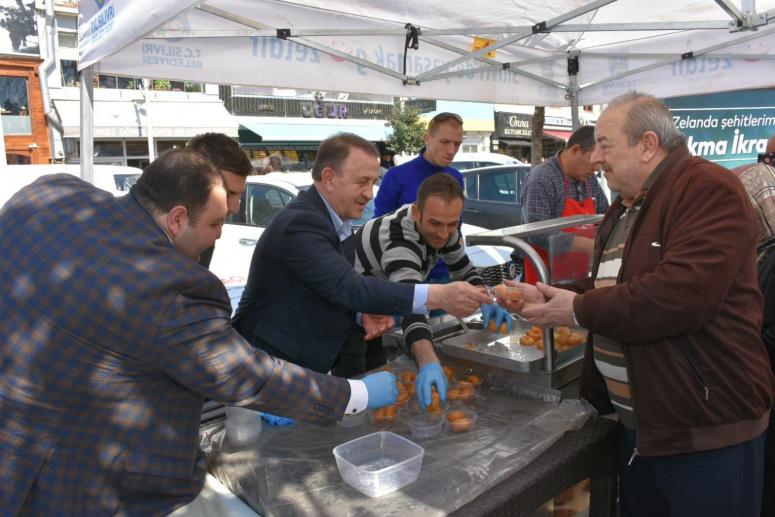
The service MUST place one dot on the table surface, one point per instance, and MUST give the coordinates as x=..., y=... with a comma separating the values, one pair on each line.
x=517, y=457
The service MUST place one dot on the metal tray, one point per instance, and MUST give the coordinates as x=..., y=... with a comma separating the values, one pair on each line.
x=502, y=351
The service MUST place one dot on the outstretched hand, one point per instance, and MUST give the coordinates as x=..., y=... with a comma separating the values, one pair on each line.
x=530, y=296
x=556, y=312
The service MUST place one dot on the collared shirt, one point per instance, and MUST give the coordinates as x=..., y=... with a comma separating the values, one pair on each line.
x=343, y=227
x=544, y=198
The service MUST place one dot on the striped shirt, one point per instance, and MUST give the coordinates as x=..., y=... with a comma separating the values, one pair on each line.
x=609, y=353
x=391, y=248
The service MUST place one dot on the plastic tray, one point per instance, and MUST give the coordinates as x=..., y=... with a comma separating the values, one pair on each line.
x=379, y=463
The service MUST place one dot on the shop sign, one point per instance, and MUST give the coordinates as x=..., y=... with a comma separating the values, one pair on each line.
x=513, y=125
x=323, y=110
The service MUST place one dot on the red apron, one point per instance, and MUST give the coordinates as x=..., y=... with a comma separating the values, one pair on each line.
x=571, y=265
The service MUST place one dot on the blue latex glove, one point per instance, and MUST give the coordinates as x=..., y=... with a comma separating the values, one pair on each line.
x=493, y=311
x=279, y=421
x=382, y=389
x=430, y=374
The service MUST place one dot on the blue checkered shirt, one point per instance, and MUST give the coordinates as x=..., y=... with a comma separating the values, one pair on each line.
x=544, y=198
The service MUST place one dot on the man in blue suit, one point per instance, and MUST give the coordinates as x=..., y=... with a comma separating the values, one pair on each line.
x=111, y=334
x=303, y=295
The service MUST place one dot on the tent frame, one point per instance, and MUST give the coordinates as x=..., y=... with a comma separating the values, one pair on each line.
x=749, y=21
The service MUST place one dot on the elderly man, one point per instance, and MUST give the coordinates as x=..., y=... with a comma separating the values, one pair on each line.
x=674, y=312
x=404, y=246
x=302, y=295
x=111, y=337
x=562, y=186
x=399, y=186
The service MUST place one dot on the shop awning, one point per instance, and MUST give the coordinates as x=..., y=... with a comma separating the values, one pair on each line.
x=558, y=134
x=126, y=118
x=273, y=129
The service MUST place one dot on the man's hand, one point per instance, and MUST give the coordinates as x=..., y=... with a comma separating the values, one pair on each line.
x=382, y=390
x=557, y=311
x=376, y=324
x=530, y=296
x=460, y=299
x=584, y=244
x=496, y=313
x=430, y=375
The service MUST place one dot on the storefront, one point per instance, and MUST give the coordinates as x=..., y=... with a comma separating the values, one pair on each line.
x=123, y=119
x=513, y=134
x=284, y=133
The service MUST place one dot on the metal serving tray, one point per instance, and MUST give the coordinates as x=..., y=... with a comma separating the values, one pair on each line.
x=501, y=351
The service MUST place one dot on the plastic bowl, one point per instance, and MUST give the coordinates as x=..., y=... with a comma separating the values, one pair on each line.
x=466, y=380
x=460, y=420
x=379, y=463
x=414, y=408
x=243, y=426
x=461, y=393
x=379, y=419
x=426, y=425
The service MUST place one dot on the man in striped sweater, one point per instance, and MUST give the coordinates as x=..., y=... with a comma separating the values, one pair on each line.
x=404, y=246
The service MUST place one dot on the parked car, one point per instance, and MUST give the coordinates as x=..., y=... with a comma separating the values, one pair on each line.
x=264, y=197
x=113, y=178
x=493, y=195
x=465, y=161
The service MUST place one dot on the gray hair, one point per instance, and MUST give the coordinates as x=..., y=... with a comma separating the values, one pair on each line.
x=647, y=113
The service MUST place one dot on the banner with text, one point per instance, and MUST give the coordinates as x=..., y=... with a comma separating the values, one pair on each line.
x=730, y=128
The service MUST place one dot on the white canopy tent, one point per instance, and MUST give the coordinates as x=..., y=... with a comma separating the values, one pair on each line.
x=546, y=53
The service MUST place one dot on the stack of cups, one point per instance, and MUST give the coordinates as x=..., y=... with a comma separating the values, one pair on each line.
x=242, y=425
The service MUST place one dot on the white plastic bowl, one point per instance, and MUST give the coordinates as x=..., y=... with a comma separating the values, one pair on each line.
x=379, y=463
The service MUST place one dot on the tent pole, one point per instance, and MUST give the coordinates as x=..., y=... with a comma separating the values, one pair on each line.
x=87, y=124
x=573, y=87
x=148, y=125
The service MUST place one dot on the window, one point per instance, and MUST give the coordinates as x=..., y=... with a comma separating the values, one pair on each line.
x=15, y=106
x=69, y=72
x=113, y=81
x=263, y=202
x=137, y=148
x=108, y=148
x=67, y=39
x=107, y=81
x=468, y=148
x=472, y=189
x=498, y=187
x=165, y=145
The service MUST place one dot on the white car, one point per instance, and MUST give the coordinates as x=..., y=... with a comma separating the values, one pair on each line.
x=115, y=179
x=465, y=161
x=264, y=197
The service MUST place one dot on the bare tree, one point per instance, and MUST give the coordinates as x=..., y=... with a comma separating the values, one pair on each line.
x=537, y=133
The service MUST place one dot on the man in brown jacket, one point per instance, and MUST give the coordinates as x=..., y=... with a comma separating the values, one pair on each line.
x=674, y=315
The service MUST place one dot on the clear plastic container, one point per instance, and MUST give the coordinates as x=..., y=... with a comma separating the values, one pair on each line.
x=243, y=426
x=379, y=463
x=460, y=420
x=426, y=425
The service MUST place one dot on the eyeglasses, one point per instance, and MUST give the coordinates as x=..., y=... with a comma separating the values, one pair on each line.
x=443, y=117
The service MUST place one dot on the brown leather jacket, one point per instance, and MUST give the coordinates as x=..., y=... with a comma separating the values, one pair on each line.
x=688, y=310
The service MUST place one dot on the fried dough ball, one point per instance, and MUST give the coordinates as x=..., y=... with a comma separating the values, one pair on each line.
x=526, y=341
